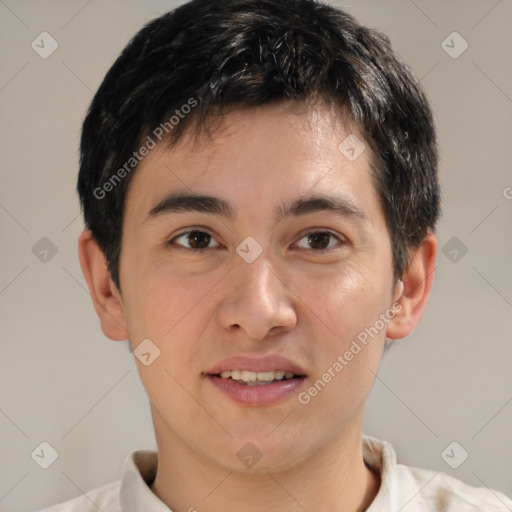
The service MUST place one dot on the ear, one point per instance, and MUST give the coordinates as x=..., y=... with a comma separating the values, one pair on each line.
x=413, y=290
x=105, y=296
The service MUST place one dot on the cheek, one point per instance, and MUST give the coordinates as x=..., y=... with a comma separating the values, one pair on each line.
x=344, y=311
x=343, y=302
x=162, y=302
x=168, y=310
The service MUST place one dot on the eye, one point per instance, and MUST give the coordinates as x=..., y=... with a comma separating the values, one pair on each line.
x=320, y=240
x=197, y=240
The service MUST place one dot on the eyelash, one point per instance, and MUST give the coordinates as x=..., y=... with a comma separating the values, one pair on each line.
x=193, y=250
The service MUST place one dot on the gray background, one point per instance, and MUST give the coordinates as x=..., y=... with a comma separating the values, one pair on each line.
x=64, y=383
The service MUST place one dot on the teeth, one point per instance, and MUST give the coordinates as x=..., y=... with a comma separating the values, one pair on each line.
x=264, y=376
x=251, y=377
x=235, y=374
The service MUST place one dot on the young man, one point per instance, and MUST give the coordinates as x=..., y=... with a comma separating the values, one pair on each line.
x=260, y=191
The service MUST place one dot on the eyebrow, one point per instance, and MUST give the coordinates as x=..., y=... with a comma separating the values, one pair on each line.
x=184, y=203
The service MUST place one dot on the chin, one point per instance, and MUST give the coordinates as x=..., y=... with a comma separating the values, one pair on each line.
x=258, y=456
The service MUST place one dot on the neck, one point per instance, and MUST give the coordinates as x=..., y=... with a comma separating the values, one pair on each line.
x=334, y=478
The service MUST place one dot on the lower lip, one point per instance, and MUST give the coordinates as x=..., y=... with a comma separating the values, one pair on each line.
x=261, y=395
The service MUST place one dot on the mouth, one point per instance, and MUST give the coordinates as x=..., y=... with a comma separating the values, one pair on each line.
x=257, y=381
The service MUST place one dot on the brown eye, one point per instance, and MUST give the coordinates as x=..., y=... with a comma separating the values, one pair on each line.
x=196, y=240
x=319, y=240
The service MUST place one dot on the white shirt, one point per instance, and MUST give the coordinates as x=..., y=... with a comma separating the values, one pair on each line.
x=403, y=488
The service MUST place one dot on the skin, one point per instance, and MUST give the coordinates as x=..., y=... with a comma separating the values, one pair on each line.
x=293, y=300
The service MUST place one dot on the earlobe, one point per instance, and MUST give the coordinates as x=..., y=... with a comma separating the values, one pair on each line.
x=413, y=293
x=106, y=299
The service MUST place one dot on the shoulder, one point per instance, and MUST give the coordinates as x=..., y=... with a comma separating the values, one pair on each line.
x=435, y=491
x=104, y=498
x=415, y=489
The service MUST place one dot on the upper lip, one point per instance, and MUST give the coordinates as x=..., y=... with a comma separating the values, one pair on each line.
x=260, y=364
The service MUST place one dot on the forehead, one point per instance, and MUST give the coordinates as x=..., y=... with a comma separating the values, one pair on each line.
x=260, y=154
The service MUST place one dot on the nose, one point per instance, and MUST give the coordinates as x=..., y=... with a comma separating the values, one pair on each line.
x=256, y=301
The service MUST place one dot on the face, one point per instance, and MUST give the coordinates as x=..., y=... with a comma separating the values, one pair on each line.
x=283, y=268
